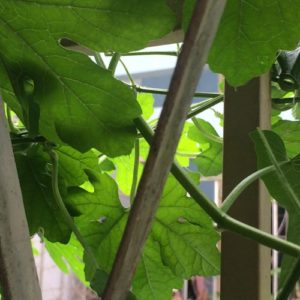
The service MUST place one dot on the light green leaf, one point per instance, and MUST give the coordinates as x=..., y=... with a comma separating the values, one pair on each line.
x=154, y=280
x=146, y=101
x=210, y=159
x=185, y=239
x=289, y=131
x=187, y=148
x=68, y=257
x=124, y=167
x=249, y=35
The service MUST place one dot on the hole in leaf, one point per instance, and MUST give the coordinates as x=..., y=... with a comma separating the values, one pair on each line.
x=182, y=220
x=102, y=219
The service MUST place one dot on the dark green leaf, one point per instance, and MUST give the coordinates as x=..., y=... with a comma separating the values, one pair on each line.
x=41, y=209
x=99, y=281
x=279, y=190
x=77, y=99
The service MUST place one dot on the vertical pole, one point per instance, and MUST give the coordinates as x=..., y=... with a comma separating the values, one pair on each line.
x=18, y=278
x=245, y=266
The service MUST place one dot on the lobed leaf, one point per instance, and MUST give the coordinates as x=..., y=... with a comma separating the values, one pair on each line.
x=75, y=101
x=278, y=188
x=185, y=240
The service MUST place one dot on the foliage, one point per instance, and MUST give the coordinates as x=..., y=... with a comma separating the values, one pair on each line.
x=77, y=108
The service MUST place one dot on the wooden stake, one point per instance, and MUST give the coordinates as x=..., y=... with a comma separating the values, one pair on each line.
x=18, y=278
x=246, y=265
x=194, y=53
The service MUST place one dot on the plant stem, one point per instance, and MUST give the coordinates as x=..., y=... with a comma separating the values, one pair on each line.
x=142, y=89
x=290, y=281
x=204, y=105
x=230, y=199
x=221, y=218
x=135, y=170
x=67, y=218
x=114, y=63
x=99, y=60
x=128, y=75
x=170, y=53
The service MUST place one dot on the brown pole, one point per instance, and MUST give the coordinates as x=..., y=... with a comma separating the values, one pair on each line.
x=190, y=63
x=245, y=267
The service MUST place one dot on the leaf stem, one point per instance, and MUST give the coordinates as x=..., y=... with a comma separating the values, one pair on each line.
x=135, y=170
x=223, y=220
x=114, y=62
x=143, y=89
x=128, y=75
x=169, y=53
x=67, y=218
x=230, y=199
x=204, y=105
x=99, y=60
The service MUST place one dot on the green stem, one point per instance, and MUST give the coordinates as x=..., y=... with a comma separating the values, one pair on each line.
x=142, y=89
x=281, y=176
x=99, y=60
x=204, y=105
x=170, y=53
x=230, y=199
x=114, y=62
x=290, y=281
x=64, y=212
x=222, y=219
x=135, y=170
x=128, y=75
x=209, y=136
x=197, y=108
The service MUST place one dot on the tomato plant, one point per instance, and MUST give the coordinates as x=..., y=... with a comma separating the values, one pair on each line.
x=81, y=135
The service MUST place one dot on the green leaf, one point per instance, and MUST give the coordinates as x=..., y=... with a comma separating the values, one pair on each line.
x=210, y=160
x=124, y=167
x=296, y=111
x=154, y=280
x=99, y=281
x=249, y=35
x=146, y=102
x=73, y=164
x=185, y=240
x=187, y=148
x=279, y=190
x=68, y=257
x=289, y=131
x=42, y=212
x=188, y=7
x=77, y=99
